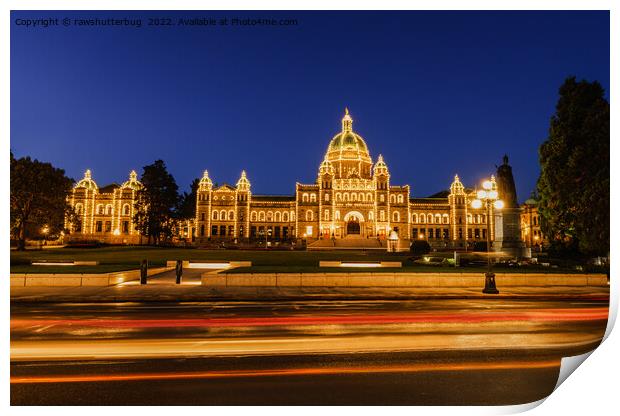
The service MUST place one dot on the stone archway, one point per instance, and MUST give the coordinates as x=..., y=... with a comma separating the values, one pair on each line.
x=353, y=223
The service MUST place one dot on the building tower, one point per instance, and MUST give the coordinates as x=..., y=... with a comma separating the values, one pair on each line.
x=203, y=207
x=242, y=208
x=381, y=175
x=458, y=211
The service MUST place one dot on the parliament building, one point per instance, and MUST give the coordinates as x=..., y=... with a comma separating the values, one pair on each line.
x=352, y=203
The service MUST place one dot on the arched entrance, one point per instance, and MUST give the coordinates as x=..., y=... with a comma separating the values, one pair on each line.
x=353, y=223
x=353, y=226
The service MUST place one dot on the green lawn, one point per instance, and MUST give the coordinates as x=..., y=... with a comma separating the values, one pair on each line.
x=123, y=258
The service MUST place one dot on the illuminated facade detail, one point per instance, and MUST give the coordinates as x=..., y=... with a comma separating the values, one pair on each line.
x=531, y=233
x=106, y=213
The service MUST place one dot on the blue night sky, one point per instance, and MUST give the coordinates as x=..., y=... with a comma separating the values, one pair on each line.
x=437, y=93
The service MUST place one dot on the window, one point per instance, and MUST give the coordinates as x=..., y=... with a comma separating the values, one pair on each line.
x=422, y=218
x=354, y=197
x=371, y=216
x=362, y=198
x=392, y=199
x=309, y=215
x=338, y=196
x=414, y=218
x=202, y=230
x=304, y=198
x=100, y=209
x=202, y=216
x=446, y=234
x=309, y=230
x=261, y=216
x=396, y=216
x=126, y=209
x=430, y=233
x=223, y=230
x=215, y=215
x=469, y=233
x=79, y=209
x=369, y=197
x=312, y=197
x=382, y=198
x=292, y=215
x=223, y=215
x=214, y=230
x=446, y=219
x=326, y=215
x=437, y=218
x=231, y=215
x=98, y=226
x=269, y=216
x=326, y=197
x=382, y=215
x=337, y=215
x=469, y=219
x=346, y=197
x=125, y=227
x=400, y=199
x=277, y=217
x=108, y=226
x=429, y=218
x=253, y=216
x=477, y=232
x=484, y=234
x=285, y=216
x=108, y=209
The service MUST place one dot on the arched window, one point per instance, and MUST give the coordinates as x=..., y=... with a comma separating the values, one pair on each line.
x=469, y=219
x=304, y=198
x=437, y=218
x=126, y=209
x=414, y=218
x=269, y=216
x=253, y=216
x=346, y=197
x=429, y=218
x=277, y=217
x=261, y=216
x=326, y=215
x=369, y=197
x=79, y=209
x=446, y=219
x=312, y=197
x=337, y=215
x=353, y=197
x=400, y=199
x=215, y=215
x=395, y=216
x=223, y=215
x=392, y=199
x=100, y=209
x=422, y=218
x=108, y=209
x=326, y=197
x=382, y=198
x=231, y=215
x=371, y=216
x=285, y=216
x=292, y=215
x=309, y=215
x=382, y=215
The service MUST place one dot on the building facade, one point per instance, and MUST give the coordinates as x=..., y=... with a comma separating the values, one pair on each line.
x=531, y=233
x=352, y=200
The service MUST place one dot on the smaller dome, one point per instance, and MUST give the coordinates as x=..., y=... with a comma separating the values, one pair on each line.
x=87, y=182
x=243, y=184
x=205, y=181
x=457, y=187
x=531, y=201
x=133, y=182
x=380, y=167
x=326, y=168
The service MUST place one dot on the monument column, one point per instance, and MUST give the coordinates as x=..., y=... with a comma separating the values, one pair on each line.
x=507, y=220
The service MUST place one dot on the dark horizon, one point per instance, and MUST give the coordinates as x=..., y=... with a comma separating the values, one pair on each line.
x=436, y=93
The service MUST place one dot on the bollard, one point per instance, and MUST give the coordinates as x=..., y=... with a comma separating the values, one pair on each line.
x=179, y=271
x=143, y=271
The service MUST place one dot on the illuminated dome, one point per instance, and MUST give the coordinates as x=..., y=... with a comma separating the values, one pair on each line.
x=133, y=182
x=87, y=182
x=348, y=153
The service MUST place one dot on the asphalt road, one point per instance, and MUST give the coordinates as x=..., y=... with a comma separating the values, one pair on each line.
x=489, y=351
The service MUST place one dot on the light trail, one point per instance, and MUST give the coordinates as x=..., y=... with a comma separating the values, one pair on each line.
x=410, y=368
x=541, y=315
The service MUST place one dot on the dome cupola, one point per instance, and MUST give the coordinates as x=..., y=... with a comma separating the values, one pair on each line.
x=133, y=182
x=348, y=153
x=205, y=181
x=243, y=184
x=87, y=182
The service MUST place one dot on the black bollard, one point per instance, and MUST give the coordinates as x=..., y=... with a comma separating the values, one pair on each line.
x=143, y=271
x=179, y=271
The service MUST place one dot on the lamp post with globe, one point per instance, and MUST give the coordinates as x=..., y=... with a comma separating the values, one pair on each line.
x=487, y=197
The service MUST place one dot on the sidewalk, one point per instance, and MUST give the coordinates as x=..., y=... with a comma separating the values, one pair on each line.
x=191, y=291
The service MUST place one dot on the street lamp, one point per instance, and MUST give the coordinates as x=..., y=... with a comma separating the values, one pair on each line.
x=486, y=198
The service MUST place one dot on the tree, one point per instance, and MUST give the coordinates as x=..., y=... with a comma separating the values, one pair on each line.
x=38, y=199
x=156, y=203
x=574, y=181
x=186, y=209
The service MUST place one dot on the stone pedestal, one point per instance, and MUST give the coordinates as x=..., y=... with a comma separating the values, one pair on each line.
x=508, y=232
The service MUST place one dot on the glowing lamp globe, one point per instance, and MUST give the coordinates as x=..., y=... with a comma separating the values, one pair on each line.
x=476, y=203
x=499, y=204
x=487, y=185
x=492, y=194
x=481, y=194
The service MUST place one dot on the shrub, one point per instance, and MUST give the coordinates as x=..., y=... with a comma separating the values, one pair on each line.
x=420, y=247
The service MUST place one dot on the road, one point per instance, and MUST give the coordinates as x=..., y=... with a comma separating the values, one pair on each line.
x=476, y=351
